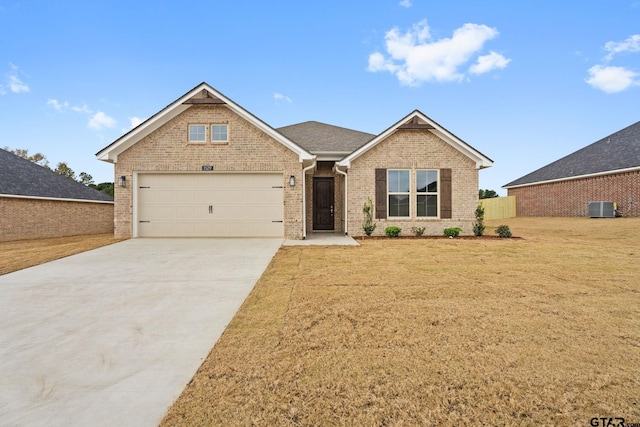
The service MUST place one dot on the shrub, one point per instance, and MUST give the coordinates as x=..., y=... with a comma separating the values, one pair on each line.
x=368, y=225
x=503, y=231
x=452, y=231
x=418, y=231
x=478, y=226
x=392, y=231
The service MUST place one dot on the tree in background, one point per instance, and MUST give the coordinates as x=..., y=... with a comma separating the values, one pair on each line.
x=487, y=194
x=62, y=168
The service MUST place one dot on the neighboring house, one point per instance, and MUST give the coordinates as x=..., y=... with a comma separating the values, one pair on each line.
x=36, y=202
x=607, y=170
x=204, y=166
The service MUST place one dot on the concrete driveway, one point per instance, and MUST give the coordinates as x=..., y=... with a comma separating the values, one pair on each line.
x=112, y=336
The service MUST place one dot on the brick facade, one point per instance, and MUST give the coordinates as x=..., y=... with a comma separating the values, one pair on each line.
x=414, y=149
x=249, y=150
x=23, y=218
x=571, y=197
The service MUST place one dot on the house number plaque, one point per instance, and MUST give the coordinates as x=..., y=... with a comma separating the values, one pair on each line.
x=207, y=167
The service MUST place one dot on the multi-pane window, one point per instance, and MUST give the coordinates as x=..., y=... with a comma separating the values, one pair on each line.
x=427, y=193
x=399, y=191
x=197, y=133
x=219, y=133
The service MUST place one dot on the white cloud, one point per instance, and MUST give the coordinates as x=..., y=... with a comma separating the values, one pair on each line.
x=135, y=121
x=13, y=81
x=631, y=44
x=405, y=3
x=280, y=98
x=58, y=106
x=489, y=62
x=82, y=109
x=100, y=121
x=415, y=58
x=612, y=79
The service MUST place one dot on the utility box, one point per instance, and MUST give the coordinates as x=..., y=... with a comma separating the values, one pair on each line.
x=602, y=209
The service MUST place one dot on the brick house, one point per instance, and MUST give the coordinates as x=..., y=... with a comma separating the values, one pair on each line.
x=205, y=166
x=36, y=202
x=607, y=170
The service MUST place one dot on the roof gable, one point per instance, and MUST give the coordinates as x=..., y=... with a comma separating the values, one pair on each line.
x=21, y=178
x=616, y=152
x=417, y=120
x=201, y=94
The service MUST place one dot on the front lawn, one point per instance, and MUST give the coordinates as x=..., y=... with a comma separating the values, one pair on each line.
x=542, y=330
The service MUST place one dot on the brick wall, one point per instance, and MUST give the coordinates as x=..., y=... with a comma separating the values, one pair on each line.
x=571, y=198
x=414, y=149
x=22, y=219
x=249, y=149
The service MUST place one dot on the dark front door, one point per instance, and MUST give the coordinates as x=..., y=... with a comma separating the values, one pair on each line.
x=323, y=203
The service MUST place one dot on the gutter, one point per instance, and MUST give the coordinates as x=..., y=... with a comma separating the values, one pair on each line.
x=570, y=178
x=304, y=198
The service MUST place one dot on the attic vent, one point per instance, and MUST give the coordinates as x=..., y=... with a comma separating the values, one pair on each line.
x=205, y=98
x=602, y=209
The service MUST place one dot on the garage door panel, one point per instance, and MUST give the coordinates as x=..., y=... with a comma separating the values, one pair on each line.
x=210, y=205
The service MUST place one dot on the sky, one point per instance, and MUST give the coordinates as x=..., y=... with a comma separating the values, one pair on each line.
x=524, y=82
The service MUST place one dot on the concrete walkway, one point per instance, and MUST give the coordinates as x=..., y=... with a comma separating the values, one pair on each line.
x=323, y=239
x=111, y=337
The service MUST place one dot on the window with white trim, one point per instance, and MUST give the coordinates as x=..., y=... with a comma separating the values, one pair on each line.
x=398, y=192
x=426, y=193
x=197, y=133
x=219, y=133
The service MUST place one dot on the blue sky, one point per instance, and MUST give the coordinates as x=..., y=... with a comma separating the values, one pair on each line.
x=523, y=82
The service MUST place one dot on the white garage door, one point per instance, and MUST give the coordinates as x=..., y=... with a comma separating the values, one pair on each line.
x=210, y=205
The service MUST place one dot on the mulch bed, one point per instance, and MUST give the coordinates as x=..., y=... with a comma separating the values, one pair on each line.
x=436, y=237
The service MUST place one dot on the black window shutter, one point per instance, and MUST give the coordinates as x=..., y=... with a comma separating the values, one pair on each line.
x=381, y=193
x=445, y=194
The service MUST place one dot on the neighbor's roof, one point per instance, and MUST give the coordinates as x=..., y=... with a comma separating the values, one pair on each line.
x=416, y=120
x=200, y=95
x=617, y=152
x=317, y=137
x=21, y=178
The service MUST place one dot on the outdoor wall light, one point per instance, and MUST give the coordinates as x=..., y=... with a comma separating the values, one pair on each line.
x=292, y=180
x=122, y=181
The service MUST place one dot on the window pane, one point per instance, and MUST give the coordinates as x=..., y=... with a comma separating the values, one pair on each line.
x=432, y=181
x=196, y=133
x=219, y=132
x=398, y=181
x=421, y=181
x=398, y=205
x=427, y=206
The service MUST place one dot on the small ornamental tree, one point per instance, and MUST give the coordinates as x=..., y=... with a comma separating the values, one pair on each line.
x=478, y=226
x=368, y=225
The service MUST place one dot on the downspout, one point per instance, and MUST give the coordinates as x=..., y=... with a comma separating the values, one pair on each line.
x=304, y=198
x=346, y=198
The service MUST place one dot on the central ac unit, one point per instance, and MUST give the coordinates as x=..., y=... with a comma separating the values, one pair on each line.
x=602, y=209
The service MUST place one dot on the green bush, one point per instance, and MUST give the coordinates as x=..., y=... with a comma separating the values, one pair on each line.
x=503, y=231
x=418, y=231
x=392, y=231
x=452, y=231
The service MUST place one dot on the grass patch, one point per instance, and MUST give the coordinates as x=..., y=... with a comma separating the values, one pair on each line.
x=21, y=254
x=543, y=330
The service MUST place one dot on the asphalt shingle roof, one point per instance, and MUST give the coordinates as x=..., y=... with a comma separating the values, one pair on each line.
x=20, y=177
x=620, y=150
x=321, y=137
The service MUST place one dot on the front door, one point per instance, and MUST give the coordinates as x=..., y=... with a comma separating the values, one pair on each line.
x=323, y=203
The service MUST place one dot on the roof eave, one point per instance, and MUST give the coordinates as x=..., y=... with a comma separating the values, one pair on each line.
x=571, y=178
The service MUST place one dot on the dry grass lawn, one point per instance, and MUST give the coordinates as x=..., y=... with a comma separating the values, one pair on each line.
x=27, y=253
x=539, y=331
